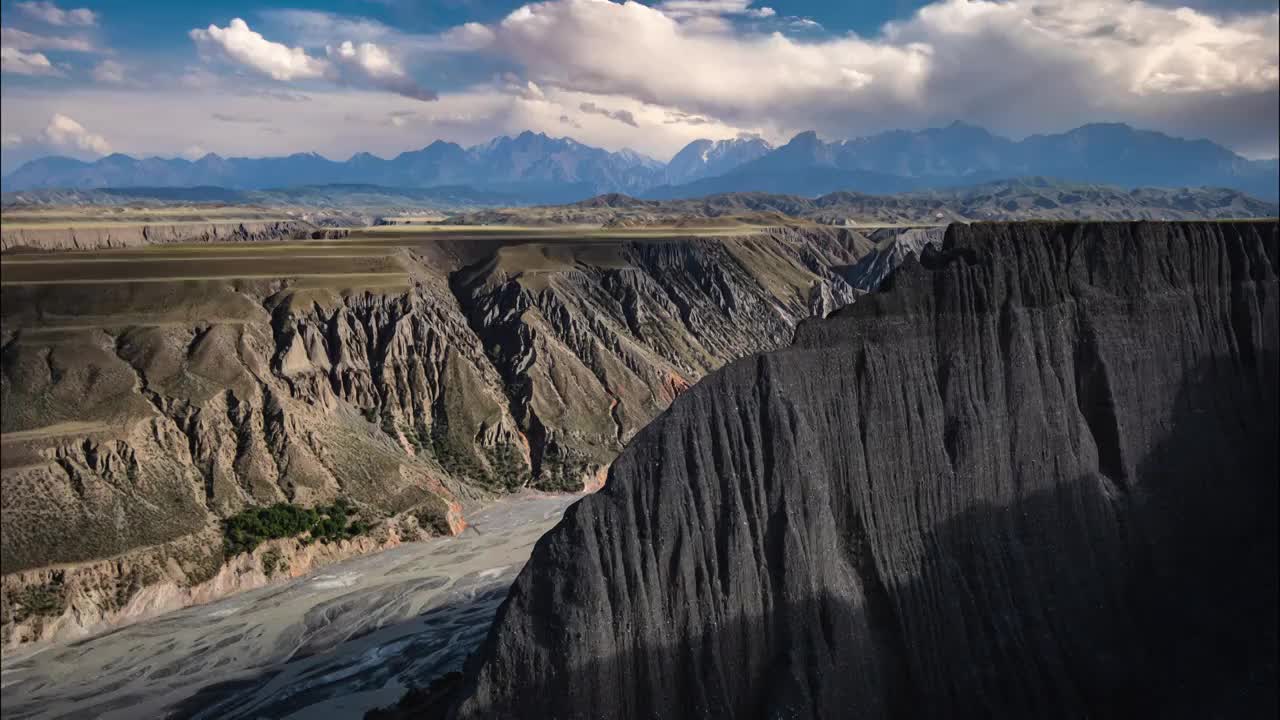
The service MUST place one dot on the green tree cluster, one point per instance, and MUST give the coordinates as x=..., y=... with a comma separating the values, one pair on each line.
x=325, y=523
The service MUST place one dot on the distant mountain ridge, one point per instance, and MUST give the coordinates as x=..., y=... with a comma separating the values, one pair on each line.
x=531, y=167
x=338, y=195
x=535, y=168
x=708, y=158
x=1015, y=199
x=960, y=154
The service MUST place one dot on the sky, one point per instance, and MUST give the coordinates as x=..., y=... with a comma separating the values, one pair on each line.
x=242, y=78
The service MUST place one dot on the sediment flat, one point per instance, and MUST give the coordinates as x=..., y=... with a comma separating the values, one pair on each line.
x=333, y=644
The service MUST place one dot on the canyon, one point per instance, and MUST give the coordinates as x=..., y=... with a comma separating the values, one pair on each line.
x=153, y=392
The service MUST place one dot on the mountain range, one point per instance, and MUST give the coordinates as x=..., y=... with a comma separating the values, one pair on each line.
x=1020, y=199
x=534, y=168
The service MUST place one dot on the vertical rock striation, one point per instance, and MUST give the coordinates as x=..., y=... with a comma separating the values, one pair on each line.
x=1034, y=476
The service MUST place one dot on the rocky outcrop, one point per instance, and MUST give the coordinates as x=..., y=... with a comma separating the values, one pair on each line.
x=593, y=341
x=171, y=408
x=118, y=235
x=893, y=246
x=1034, y=476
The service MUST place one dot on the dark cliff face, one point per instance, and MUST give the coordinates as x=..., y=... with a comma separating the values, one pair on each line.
x=1035, y=476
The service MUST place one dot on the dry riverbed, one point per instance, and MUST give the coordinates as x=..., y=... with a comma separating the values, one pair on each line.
x=334, y=644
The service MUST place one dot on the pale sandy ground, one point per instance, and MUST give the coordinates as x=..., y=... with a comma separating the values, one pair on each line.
x=331, y=645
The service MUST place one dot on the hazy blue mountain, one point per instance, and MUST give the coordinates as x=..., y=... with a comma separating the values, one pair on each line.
x=1125, y=156
x=958, y=150
x=960, y=154
x=804, y=166
x=536, y=161
x=531, y=166
x=534, y=168
x=708, y=158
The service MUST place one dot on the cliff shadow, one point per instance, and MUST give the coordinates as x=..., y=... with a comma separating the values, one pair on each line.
x=1077, y=601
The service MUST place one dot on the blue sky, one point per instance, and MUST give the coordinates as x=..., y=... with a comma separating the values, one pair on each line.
x=252, y=78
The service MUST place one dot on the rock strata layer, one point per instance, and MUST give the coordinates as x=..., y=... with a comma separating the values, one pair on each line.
x=120, y=235
x=1033, y=476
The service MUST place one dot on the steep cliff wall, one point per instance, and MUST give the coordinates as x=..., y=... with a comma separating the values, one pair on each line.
x=118, y=235
x=594, y=340
x=1035, y=476
x=136, y=416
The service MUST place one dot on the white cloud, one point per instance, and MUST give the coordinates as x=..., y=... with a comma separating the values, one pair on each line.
x=1129, y=49
x=592, y=46
x=371, y=64
x=22, y=40
x=17, y=62
x=1017, y=66
x=10, y=140
x=363, y=64
x=64, y=132
x=370, y=59
x=109, y=71
x=241, y=45
x=51, y=14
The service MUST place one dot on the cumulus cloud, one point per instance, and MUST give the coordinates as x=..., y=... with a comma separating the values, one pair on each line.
x=592, y=46
x=622, y=116
x=17, y=62
x=22, y=40
x=238, y=44
x=1018, y=66
x=364, y=64
x=368, y=63
x=51, y=14
x=109, y=71
x=242, y=45
x=64, y=132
